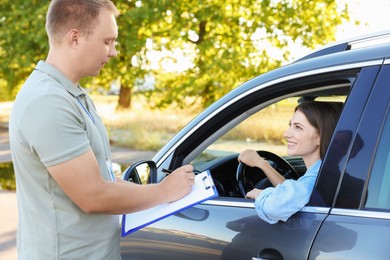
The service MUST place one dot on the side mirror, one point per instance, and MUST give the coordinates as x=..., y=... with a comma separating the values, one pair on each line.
x=141, y=172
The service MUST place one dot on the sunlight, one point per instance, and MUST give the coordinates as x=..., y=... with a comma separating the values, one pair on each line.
x=372, y=16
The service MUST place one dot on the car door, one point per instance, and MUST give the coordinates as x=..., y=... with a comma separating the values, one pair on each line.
x=228, y=227
x=358, y=226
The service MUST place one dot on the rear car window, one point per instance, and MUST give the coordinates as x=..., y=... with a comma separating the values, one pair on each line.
x=378, y=193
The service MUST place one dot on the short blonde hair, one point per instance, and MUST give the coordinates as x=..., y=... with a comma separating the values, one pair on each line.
x=64, y=15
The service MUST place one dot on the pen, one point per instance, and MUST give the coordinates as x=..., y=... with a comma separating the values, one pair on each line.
x=166, y=171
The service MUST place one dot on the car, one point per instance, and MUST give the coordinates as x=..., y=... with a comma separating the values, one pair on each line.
x=348, y=216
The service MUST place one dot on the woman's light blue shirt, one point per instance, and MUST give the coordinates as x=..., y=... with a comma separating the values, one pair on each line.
x=281, y=202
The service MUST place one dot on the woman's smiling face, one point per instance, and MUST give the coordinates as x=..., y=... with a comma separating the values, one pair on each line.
x=303, y=139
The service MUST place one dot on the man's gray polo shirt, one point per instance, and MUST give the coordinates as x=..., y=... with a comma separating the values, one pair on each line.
x=53, y=121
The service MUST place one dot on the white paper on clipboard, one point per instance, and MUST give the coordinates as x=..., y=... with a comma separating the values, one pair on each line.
x=202, y=190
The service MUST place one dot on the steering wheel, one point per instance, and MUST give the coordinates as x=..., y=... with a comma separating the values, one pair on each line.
x=278, y=163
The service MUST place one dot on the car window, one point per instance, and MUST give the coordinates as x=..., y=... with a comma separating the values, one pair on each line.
x=346, y=157
x=261, y=131
x=378, y=194
x=357, y=164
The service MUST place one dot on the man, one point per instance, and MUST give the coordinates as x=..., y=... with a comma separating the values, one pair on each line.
x=67, y=193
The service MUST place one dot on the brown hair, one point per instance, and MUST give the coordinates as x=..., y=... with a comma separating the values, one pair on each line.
x=64, y=15
x=323, y=116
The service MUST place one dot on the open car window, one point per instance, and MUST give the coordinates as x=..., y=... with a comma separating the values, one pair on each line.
x=262, y=131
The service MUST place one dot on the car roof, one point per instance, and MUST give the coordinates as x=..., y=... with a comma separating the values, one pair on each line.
x=361, y=41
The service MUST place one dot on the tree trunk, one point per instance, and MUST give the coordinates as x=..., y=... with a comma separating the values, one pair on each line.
x=124, y=101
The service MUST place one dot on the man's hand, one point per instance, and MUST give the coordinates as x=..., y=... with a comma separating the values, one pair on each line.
x=178, y=184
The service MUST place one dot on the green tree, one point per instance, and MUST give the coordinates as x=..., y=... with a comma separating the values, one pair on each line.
x=225, y=41
x=231, y=41
x=23, y=41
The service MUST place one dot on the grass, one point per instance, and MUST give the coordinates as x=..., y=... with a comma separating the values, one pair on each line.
x=142, y=128
x=267, y=126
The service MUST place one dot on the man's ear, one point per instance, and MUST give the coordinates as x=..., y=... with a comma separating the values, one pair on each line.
x=73, y=38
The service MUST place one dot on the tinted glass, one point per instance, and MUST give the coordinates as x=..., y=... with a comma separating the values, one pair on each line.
x=334, y=164
x=378, y=194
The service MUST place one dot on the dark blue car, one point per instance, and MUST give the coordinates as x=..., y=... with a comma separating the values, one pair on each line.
x=348, y=216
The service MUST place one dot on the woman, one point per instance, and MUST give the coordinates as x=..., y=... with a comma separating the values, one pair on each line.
x=308, y=136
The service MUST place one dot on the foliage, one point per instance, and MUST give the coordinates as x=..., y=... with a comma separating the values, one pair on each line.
x=7, y=177
x=232, y=41
x=23, y=41
x=224, y=43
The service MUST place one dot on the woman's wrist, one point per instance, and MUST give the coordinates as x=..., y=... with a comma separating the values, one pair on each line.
x=263, y=164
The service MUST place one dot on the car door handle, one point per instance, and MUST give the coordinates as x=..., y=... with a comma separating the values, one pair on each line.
x=268, y=254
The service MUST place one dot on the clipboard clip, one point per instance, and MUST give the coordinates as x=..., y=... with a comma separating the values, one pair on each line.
x=207, y=182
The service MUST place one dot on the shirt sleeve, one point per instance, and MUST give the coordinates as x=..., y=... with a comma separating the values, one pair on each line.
x=280, y=203
x=54, y=128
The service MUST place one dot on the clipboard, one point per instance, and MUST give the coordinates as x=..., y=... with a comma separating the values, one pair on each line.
x=202, y=190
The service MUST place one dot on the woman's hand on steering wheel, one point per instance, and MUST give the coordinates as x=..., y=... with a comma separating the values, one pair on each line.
x=251, y=158
x=245, y=185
